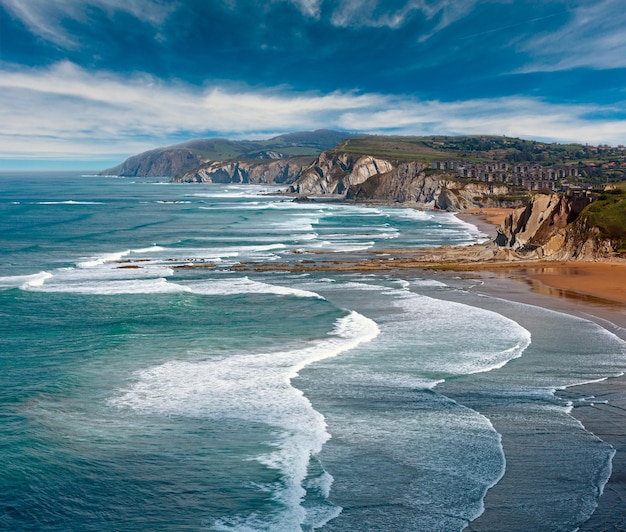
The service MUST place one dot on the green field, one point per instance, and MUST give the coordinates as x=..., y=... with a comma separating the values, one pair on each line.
x=608, y=213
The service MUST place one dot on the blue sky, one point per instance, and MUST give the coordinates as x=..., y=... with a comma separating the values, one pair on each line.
x=93, y=81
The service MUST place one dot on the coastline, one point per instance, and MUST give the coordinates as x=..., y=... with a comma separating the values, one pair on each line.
x=593, y=291
x=575, y=288
x=570, y=286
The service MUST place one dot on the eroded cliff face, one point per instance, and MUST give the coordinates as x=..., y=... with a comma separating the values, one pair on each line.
x=157, y=163
x=409, y=183
x=368, y=178
x=279, y=171
x=336, y=173
x=550, y=227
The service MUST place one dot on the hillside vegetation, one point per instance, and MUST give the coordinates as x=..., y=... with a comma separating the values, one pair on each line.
x=597, y=163
x=608, y=214
x=179, y=159
x=394, y=148
x=291, y=145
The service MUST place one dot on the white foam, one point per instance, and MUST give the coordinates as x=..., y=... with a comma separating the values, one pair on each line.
x=305, y=237
x=112, y=272
x=234, y=192
x=428, y=282
x=70, y=202
x=489, y=341
x=409, y=214
x=104, y=258
x=245, y=285
x=149, y=249
x=353, y=285
x=212, y=253
x=256, y=388
x=25, y=281
x=296, y=224
x=471, y=228
x=100, y=287
x=404, y=285
x=341, y=247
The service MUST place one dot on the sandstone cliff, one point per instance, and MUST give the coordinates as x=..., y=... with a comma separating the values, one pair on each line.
x=371, y=179
x=280, y=171
x=410, y=183
x=550, y=227
x=335, y=173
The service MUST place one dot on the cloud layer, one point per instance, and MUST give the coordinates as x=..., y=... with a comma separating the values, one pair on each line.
x=66, y=111
x=113, y=77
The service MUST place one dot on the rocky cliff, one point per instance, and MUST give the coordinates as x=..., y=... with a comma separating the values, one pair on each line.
x=281, y=171
x=157, y=163
x=551, y=227
x=181, y=159
x=411, y=183
x=368, y=178
x=334, y=173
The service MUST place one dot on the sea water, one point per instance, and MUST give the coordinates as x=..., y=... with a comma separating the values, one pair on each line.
x=149, y=383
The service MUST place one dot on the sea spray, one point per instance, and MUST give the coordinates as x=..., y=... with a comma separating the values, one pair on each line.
x=255, y=388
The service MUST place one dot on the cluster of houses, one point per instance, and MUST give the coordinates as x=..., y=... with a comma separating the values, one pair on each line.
x=527, y=175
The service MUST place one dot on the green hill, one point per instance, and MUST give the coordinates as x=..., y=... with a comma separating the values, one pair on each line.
x=608, y=214
x=170, y=161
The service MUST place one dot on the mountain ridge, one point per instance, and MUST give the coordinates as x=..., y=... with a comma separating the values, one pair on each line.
x=178, y=159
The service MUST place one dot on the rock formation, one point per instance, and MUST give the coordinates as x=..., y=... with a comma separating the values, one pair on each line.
x=372, y=179
x=410, y=183
x=207, y=155
x=550, y=227
x=335, y=173
x=157, y=163
x=278, y=171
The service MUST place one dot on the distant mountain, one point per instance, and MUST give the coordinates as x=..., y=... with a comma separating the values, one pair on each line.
x=179, y=159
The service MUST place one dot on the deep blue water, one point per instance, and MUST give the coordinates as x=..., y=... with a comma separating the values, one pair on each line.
x=147, y=384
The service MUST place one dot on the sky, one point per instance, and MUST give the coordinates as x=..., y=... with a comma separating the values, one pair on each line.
x=87, y=83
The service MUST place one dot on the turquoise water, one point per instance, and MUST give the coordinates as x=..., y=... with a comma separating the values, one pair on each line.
x=147, y=384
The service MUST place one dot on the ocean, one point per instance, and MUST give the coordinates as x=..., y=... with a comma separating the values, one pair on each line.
x=149, y=383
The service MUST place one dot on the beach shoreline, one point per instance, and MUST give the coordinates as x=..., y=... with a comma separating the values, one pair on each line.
x=595, y=291
x=591, y=290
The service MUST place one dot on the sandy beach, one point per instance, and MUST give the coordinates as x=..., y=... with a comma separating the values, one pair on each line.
x=594, y=291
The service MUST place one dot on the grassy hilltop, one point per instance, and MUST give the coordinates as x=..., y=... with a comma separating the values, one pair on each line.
x=480, y=148
x=608, y=214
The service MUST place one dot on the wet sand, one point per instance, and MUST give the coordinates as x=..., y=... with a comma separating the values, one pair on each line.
x=592, y=290
x=486, y=219
x=600, y=407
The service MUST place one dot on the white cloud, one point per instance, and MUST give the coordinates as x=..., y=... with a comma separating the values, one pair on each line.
x=377, y=13
x=311, y=8
x=594, y=38
x=66, y=111
x=45, y=17
x=512, y=116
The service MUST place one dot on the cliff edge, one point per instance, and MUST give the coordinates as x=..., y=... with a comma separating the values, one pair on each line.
x=556, y=227
x=365, y=178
